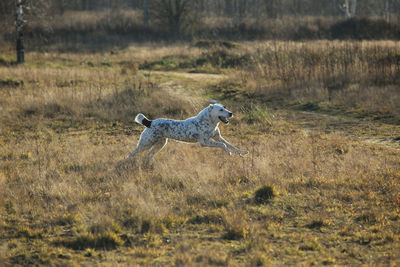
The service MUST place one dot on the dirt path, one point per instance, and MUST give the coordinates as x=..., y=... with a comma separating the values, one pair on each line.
x=358, y=129
x=188, y=86
x=200, y=77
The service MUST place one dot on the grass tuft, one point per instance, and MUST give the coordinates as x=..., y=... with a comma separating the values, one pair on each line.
x=66, y=219
x=105, y=240
x=311, y=245
x=367, y=217
x=236, y=227
x=11, y=83
x=317, y=224
x=264, y=194
x=235, y=233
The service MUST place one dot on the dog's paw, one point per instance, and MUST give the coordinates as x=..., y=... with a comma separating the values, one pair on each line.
x=243, y=153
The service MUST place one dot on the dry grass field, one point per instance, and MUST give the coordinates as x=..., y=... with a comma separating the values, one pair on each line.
x=321, y=184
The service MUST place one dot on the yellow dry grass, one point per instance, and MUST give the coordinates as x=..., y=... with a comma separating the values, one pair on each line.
x=65, y=198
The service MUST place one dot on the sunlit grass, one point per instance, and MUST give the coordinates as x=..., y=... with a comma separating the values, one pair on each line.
x=302, y=196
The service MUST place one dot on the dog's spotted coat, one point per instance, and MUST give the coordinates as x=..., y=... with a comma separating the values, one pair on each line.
x=202, y=128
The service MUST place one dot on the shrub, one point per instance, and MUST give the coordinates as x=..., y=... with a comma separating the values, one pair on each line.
x=311, y=245
x=235, y=232
x=211, y=217
x=235, y=225
x=316, y=224
x=153, y=226
x=367, y=217
x=258, y=115
x=223, y=58
x=10, y=82
x=212, y=44
x=364, y=28
x=106, y=240
x=66, y=219
x=264, y=194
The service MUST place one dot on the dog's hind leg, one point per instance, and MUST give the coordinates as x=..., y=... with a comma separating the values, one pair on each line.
x=146, y=141
x=138, y=150
x=157, y=147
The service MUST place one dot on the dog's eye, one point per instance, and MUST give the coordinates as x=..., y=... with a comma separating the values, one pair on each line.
x=221, y=109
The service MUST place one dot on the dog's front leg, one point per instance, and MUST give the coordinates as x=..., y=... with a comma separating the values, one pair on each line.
x=237, y=150
x=210, y=143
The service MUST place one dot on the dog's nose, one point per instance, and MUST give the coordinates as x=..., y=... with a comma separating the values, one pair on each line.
x=230, y=114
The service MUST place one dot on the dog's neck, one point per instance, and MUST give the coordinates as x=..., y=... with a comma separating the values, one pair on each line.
x=205, y=116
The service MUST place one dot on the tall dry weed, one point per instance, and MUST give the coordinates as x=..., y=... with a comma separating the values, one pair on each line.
x=360, y=75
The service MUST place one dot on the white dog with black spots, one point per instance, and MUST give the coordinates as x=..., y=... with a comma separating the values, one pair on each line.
x=201, y=128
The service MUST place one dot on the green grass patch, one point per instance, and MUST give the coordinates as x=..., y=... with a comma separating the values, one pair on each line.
x=257, y=114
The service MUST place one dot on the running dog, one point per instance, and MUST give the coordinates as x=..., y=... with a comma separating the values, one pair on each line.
x=201, y=128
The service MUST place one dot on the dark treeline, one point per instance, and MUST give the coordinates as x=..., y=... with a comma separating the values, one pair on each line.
x=253, y=8
x=229, y=19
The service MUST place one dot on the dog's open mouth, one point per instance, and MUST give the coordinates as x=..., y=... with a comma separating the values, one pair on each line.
x=223, y=119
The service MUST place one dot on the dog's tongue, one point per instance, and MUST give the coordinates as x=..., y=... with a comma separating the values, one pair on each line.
x=224, y=120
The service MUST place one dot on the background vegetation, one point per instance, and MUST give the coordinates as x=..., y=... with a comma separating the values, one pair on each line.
x=112, y=23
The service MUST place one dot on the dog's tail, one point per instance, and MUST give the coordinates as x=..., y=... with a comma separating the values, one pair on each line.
x=141, y=119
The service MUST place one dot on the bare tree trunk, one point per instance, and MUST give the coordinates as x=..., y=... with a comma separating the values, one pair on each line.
x=173, y=13
x=228, y=8
x=235, y=12
x=353, y=7
x=20, y=34
x=109, y=13
x=335, y=8
x=271, y=8
x=145, y=13
x=387, y=10
x=349, y=8
x=85, y=5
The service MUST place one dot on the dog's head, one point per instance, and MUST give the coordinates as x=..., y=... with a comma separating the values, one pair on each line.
x=219, y=112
